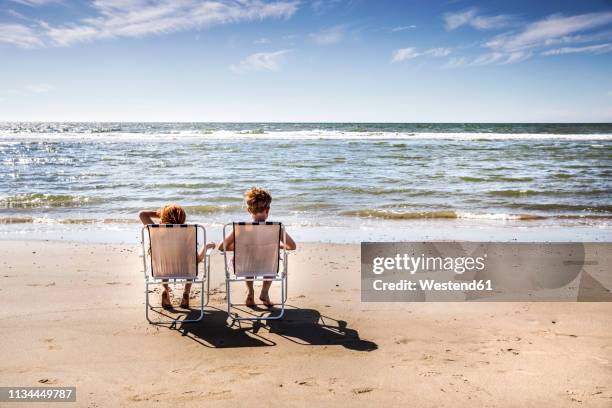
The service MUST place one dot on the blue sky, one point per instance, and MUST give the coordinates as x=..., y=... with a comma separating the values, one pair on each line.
x=285, y=60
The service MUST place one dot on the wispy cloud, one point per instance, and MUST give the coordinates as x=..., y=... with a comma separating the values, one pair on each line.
x=262, y=40
x=19, y=35
x=471, y=17
x=36, y=3
x=489, y=58
x=261, y=61
x=403, y=54
x=438, y=52
x=591, y=49
x=538, y=37
x=40, y=88
x=328, y=36
x=403, y=28
x=141, y=18
x=552, y=29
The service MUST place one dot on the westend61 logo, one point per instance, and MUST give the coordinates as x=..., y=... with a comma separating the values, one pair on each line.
x=485, y=271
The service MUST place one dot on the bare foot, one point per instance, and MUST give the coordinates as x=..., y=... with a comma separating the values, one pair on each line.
x=165, y=301
x=266, y=300
x=185, y=301
x=250, y=300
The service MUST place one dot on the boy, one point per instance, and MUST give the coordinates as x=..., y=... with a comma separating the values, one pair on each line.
x=258, y=202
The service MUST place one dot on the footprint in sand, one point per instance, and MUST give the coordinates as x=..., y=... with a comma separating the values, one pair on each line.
x=217, y=395
x=362, y=390
x=308, y=382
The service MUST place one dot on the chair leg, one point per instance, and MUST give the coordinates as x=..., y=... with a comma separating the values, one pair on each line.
x=285, y=282
x=147, y=303
x=228, y=296
x=207, y=289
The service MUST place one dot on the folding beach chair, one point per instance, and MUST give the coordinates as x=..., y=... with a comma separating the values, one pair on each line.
x=170, y=255
x=257, y=257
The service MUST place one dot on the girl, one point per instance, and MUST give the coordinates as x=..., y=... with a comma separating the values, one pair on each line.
x=172, y=214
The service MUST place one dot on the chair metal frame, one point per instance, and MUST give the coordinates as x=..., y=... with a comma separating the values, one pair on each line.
x=150, y=280
x=280, y=276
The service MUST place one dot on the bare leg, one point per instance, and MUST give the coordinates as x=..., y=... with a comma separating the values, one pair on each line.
x=165, y=297
x=264, y=295
x=185, y=301
x=250, y=299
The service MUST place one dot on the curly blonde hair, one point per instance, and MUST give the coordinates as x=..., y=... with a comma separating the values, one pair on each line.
x=257, y=199
x=172, y=214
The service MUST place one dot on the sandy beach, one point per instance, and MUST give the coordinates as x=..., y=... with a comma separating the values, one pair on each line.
x=73, y=315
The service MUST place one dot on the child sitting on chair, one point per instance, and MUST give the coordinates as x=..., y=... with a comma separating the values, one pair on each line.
x=258, y=202
x=172, y=214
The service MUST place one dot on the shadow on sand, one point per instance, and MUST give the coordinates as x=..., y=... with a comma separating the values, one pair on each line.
x=309, y=327
x=213, y=331
x=301, y=326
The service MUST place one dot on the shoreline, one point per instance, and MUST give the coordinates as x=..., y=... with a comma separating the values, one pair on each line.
x=368, y=231
x=364, y=230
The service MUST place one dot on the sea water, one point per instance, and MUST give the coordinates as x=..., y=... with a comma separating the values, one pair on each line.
x=342, y=182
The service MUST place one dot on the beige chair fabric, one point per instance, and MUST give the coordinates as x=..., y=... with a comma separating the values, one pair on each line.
x=256, y=249
x=173, y=252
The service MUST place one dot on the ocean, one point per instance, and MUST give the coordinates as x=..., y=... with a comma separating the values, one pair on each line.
x=377, y=179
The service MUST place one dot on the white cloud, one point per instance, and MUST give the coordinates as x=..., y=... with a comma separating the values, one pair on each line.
x=438, y=52
x=517, y=56
x=40, y=88
x=486, y=59
x=261, y=61
x=36, y=3
x=262, y=40
x=499, y=58
x=580, y=38
x=472, y=18
x=141, y=18
x=404, y=53
x=17, y=15
x=403, y=28
x=539, y=36
x=408, y=53
x=332, y=35
x=456, y=62
x=20, y=35
x=591, y=49
x=552, y=29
